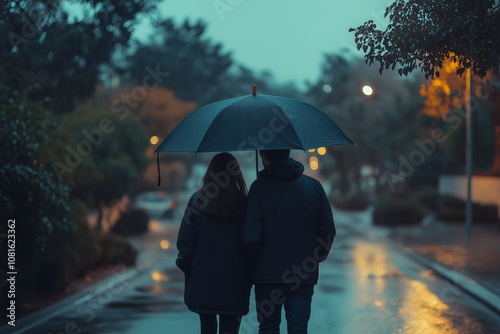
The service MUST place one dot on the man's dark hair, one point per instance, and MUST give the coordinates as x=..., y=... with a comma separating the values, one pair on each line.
x=275, y=155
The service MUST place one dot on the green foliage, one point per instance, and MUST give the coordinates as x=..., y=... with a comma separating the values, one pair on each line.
x=428, y=197
x=422, y=34
x=132, y=222
x=116, y=157
x=483, y=138
x=117, y=250
x=42, y=43
x=382, y=126
x=195, y=64
x=397, y=210
x=29, y=191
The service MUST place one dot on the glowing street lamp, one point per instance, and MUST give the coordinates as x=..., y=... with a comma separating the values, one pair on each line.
x=321, y=150
x=154, y=140
x=367, y=90
x=313, y=163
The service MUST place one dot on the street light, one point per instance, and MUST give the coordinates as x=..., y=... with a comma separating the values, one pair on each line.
x=154, y=140
x=313, y=163
x=367, y=90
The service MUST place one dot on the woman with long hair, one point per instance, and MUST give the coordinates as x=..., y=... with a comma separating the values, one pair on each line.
x=210, y=252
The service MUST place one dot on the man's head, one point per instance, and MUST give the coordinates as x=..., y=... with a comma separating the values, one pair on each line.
x=271, y=156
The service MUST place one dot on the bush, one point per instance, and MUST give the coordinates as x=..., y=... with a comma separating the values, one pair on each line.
x=355, y=202
x=70, y=252
x=133, y=222
x=428, y=197
x=397, y=211
x=117, y=250
x=453, y=209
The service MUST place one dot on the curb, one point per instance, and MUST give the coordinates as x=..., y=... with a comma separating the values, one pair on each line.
x=465, y=283
x=461, y=281
x=24, y=324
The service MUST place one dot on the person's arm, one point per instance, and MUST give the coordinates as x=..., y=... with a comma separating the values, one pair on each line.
x=186, y=240
x=252, y=229
x=326, y=228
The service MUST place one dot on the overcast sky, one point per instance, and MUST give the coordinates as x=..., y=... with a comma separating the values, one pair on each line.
x=286, y=37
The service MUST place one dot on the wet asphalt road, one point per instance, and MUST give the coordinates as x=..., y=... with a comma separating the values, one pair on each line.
x=365, y=286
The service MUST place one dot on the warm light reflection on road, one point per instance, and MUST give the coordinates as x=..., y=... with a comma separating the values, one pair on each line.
x=422, y=311
x=372, y=264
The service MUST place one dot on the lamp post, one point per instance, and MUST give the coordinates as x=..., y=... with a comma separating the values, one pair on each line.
x=469, y=152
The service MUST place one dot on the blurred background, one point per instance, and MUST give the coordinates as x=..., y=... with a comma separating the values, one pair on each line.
x=89, y=88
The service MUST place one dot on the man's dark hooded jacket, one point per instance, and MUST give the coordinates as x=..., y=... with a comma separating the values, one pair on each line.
x=289, y=227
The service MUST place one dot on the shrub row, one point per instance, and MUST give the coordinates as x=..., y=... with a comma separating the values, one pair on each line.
x=405, y=209
x=73, y=252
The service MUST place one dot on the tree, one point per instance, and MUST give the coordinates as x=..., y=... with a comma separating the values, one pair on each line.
x=367, y=120
x=444, y=102
x=65, y=55
x=195, y=64
x=104, y=155
x=30, y=193
x=423, y=34
x=427, y=34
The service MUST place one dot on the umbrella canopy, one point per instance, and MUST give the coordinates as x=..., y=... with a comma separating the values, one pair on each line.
x=254, y=122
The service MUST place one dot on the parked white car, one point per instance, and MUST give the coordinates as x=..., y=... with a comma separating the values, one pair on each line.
x=156, y=203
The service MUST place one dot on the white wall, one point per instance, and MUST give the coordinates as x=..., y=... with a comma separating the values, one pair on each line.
x=485, y=189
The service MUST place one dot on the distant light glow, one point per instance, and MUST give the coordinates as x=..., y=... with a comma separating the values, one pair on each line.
x=313, y=165
x=159, y=276
x=313, y=158
x=164, y=244
x=321, y=151
x=367, y=90
x=312, y=150
x=327, y=88
x=378, y=303
x=154, y=140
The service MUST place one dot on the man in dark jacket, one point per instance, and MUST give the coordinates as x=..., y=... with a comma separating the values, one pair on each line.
x=288, y=230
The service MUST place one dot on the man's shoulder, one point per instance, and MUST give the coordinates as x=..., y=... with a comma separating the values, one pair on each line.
x=311, y=180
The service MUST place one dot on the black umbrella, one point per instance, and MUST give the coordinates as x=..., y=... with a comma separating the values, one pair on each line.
x=253, y=122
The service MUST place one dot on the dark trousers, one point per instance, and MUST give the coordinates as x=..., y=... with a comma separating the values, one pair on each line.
x=269, y=300
x=229, y=324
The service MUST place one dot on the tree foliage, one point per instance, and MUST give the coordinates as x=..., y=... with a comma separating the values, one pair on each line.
x=195, y=64
x=109, y=157
x=29, y=192
x=44, y=44
x=382, y=126
x=423, y=34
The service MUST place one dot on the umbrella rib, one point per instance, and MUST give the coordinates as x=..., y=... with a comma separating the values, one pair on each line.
x=289, y=120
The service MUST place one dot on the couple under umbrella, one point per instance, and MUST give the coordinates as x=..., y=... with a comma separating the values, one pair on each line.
x=272, y=237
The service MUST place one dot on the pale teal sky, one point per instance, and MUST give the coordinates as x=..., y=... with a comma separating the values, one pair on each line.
x=286, y=37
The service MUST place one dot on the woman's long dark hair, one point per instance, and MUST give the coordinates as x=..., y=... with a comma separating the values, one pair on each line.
x=223, y=187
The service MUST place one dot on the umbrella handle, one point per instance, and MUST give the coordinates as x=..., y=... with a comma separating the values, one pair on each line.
x=158, y=163
x=256, y=163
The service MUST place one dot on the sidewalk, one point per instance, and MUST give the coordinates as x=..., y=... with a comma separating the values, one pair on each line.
x=471, y=263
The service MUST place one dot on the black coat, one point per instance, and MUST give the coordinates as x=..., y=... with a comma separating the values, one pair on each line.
x=211, y=256
x=289, y=226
